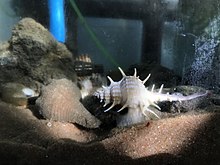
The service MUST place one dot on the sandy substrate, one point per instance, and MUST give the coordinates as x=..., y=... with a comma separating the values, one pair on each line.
x=187, y=139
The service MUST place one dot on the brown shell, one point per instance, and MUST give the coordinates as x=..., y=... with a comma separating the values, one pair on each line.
x=13, y=93
x=59, y=101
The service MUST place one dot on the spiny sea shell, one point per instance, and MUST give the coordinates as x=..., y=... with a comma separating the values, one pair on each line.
x=131, y=92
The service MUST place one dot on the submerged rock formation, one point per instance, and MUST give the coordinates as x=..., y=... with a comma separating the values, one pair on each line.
x=33, y=58
x=33, y=55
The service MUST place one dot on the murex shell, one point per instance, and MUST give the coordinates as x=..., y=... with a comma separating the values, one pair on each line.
x=131, y=92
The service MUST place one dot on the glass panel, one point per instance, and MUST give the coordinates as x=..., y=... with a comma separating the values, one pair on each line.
x=72, y=70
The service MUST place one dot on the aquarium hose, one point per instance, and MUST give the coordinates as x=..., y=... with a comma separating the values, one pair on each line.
x=92, y=34
x=57, y=19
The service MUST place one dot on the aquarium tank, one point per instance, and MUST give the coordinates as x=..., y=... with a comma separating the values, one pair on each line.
x=79, y=69
x=178, y=35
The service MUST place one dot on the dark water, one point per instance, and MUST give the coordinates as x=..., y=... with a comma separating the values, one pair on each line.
x=202, y=70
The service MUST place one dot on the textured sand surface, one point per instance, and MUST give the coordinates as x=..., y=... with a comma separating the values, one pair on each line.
x=187, y=139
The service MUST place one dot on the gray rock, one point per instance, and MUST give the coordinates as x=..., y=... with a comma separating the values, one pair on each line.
x=189, y=105
x=32, y=56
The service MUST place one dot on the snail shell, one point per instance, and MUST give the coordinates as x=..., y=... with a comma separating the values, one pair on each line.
x=59, y=101
x=129, y=92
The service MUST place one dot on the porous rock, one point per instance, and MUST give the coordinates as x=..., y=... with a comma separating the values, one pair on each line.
x=32, y=55
x=189, y=105
x=59, y=101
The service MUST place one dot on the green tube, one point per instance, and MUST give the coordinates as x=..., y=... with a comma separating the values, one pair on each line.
x=92, y=34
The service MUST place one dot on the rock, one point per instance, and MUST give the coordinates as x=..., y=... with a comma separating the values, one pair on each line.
x=8, y=63
x=30, y=41
x=33, y=56
x=59, y=101
x=6, y=57
x=39, y=54
x=189, y=105
x=94, y=106
x=16, y=93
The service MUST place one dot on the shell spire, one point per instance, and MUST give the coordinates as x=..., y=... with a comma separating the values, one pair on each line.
x=123, y=107
x=152, y=89
x=161, y=88
x=149, y=110
x=135, y=72
x=113, y=104
x=122, y=72
x=110, y=79
x=145, y=80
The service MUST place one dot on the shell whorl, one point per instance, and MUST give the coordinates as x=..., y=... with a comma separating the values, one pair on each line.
x=129, y=92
